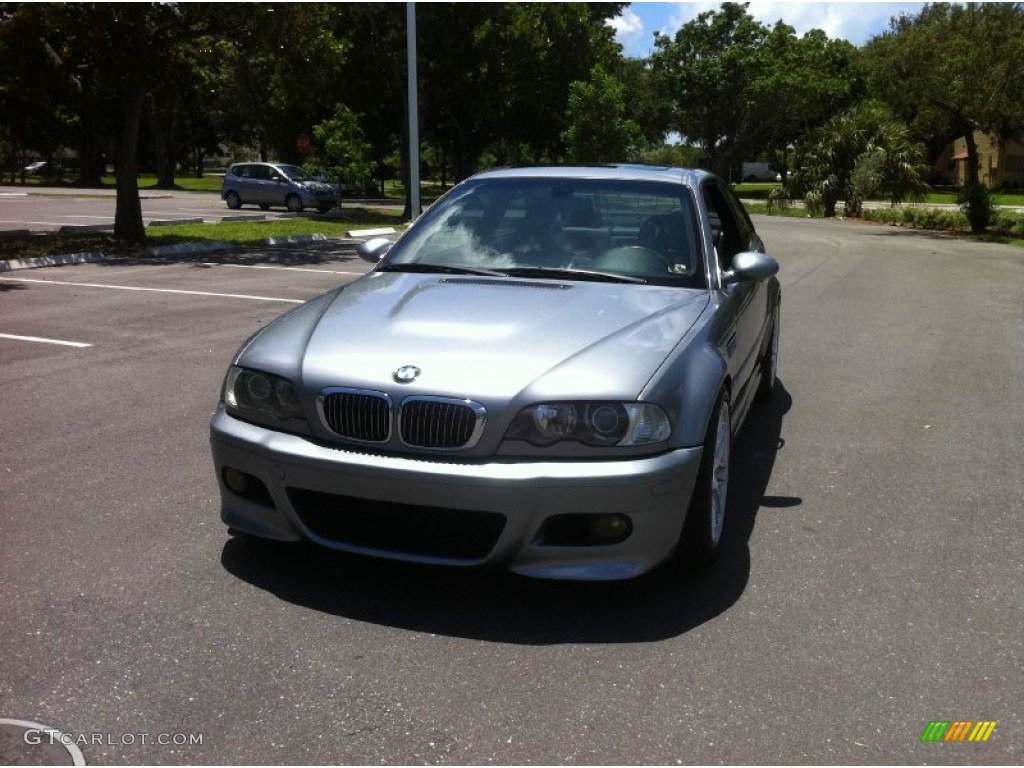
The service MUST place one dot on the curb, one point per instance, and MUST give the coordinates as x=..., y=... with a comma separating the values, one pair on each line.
x=244, y=217
x=72, y=228
x=291, y=239
x=172, y=222
x=8, y=265
x=185, y=248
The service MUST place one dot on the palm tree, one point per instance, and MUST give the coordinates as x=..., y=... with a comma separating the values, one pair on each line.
x=853, y=156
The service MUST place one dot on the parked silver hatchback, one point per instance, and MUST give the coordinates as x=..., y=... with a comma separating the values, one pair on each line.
x=267, y=184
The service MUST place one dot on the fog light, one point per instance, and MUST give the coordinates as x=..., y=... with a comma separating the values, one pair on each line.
x=611, y=527
x=236, y=481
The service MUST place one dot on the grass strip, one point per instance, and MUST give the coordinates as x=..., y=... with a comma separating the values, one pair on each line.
x=332, y=225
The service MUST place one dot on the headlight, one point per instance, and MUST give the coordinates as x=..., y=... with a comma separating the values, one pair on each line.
x=599, y=424
x=248, y=392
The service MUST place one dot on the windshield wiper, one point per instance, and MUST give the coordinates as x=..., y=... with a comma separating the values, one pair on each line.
x=443, y=268
x=574, y=274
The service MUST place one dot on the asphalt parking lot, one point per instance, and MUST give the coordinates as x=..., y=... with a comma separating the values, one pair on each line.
x=872, y=582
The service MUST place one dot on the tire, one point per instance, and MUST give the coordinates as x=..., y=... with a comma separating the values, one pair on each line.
x=264, y=206
x=294, y=203
x=323, y=209
x=770, y=361
x=704, y=528
x=233, y=200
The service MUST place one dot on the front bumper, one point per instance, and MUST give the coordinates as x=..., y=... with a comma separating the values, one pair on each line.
x=334, y=497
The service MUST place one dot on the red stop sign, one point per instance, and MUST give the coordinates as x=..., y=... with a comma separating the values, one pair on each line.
x=302, y=143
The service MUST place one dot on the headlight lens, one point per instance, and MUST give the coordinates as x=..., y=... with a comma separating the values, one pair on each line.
x=598, y=424
x=248, y=392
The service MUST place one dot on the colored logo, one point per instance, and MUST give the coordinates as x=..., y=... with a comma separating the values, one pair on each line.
x=959, y=730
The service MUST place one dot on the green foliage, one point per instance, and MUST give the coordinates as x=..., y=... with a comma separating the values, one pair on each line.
x=599, y=131
x=920, y=218
x=951, y=70
x=342, y=148
x=778, y=200
x=740, y=89
x=1004, y=223
x=667, y=155
x=854, y=155
x=976, y=203
x=708, y=74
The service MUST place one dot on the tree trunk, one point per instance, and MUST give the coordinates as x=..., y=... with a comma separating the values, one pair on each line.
x=975, y=197
x=128, y=226
x=162, y=129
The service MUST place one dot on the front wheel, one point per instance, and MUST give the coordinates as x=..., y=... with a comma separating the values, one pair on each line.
x=702, y=533
x=294, y=203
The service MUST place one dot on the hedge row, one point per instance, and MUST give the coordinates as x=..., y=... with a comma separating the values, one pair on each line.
x=1006, y=223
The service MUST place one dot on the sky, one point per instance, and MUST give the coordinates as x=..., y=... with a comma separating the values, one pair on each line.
x=855, y=21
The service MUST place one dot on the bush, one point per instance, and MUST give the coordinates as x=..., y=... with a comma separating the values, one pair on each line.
x=920, y=218
x=779, y=199
x=976, y=202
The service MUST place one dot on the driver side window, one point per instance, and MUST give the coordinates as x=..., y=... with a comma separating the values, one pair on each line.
x=728, y=235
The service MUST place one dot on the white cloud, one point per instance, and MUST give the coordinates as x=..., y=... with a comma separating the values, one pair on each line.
x=629, y=28
x=854, y=21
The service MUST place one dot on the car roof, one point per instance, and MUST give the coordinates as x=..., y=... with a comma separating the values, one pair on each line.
x=688, y=176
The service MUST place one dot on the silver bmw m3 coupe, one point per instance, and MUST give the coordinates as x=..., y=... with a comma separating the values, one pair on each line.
x=543, y=374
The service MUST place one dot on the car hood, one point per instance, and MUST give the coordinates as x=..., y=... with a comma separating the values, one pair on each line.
x=481, y=337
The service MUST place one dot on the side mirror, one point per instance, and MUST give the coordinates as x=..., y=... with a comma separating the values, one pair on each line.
x=373, y=250
x=750, y=265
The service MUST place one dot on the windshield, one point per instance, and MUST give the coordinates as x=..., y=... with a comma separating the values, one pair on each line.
x=558, y=226
x=295, y=173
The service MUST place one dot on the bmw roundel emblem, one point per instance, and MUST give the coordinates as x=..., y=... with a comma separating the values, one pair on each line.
x=406, y=374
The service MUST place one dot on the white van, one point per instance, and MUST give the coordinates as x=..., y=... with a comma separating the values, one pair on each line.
x=758, y=172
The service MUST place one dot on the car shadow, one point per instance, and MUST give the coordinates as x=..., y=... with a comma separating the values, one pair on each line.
x=494, y=606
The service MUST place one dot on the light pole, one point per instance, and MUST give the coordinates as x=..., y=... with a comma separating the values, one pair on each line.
x=414, y=112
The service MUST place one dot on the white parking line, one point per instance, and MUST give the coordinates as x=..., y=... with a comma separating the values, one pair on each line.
x=154, y=290
x=291, y=269
x=41, y=340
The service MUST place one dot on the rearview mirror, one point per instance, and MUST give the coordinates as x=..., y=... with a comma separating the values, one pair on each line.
x=373, y=250
x=750, y=265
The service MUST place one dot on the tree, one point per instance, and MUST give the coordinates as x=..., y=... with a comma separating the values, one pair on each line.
x=286, y=66
x=804, y=81
x=643, y=100
x=855, y=154
x=107, y=58
x=599, y=131
x=502, y=85
x=961, y=66
x=34, y=110
x=342, y=147
x=709, y=73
